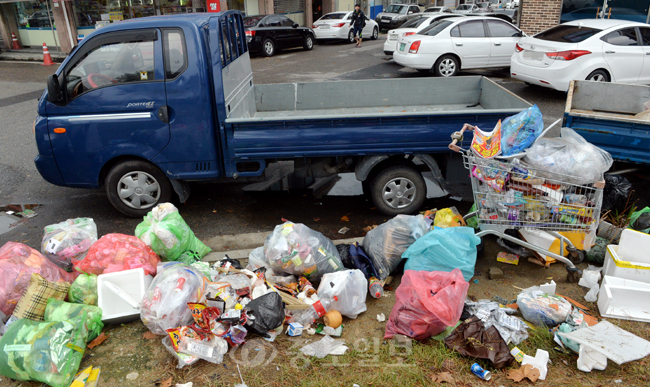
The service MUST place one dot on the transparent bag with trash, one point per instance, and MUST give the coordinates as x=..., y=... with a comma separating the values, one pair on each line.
x=569, y=155
x=542, y=308
x=345, y=292
x=65, y=241
x=211, y=350
x=84, y=290
x=518, y=132
x=294, y=248
x=165, y=231
x=61, y=311
x=426, y=302
x=386, y=243
x=164, y=304
x=182, y=358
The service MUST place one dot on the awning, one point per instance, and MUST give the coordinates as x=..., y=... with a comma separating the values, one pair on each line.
x=14, y=1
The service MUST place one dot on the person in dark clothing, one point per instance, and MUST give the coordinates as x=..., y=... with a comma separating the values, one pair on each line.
x=358, y=22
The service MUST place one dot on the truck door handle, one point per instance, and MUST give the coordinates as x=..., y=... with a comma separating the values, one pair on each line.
x=459, y=44
x=610, y=52
x=163, y=114
x=497, y=44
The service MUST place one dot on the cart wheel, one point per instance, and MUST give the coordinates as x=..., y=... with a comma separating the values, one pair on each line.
x=576, y=256
x=573, y=274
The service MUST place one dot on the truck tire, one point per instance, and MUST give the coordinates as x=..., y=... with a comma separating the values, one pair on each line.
x=268, y=47
x=398, y=189
x=135, y=187
x=308, y=44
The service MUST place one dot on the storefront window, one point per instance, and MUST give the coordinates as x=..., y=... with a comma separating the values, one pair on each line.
x=169, y=7
x=632, y=10
x=33, y=14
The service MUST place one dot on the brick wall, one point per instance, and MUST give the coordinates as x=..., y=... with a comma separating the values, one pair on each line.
x=539, y=15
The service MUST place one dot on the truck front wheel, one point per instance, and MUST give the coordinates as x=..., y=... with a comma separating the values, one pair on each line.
x=399, y=189
x=135, y=187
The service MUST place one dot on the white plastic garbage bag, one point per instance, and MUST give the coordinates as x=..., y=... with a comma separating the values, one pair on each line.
x=345, y=291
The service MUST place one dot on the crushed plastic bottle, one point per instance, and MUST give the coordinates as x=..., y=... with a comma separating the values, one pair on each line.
x=315, y=311
x=376, y=288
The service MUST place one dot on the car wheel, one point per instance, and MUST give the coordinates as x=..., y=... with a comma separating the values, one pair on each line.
x=598, y=76
x=308, y=44
x=135, y=187
x=351, y=36
x=446, y=66
x=399, y=189
x=268, y=47
x=375, y=34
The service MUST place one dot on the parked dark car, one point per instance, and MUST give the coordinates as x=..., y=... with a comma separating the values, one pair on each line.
x=267, y=34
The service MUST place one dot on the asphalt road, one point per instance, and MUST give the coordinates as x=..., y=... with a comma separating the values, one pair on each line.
x=212, y=209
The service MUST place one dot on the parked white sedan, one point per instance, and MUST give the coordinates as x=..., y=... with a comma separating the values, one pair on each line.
x=336, y=26
x=449, y=45
x=594, y=50
x=412, y=27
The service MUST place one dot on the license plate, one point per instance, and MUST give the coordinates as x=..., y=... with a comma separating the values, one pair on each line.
x=402, y=46
x=325, y=27
x=532, y=55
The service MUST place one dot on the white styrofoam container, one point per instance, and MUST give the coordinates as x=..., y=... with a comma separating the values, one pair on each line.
x=624, y=299
x=634, y=246
x=115, y=310
x=615, y=266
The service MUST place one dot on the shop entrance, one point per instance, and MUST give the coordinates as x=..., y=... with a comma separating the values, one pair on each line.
x=317, y=9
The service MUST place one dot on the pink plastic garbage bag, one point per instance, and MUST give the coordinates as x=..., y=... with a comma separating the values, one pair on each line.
x=118, y=252
x=426, y=302
x=17, y=263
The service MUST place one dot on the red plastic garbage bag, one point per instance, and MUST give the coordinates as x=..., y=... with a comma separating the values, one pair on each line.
x=118, y=252
x=426, y=303
x=17, y=263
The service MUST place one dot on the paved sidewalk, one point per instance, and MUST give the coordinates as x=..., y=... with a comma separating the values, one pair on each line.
x=32, y=54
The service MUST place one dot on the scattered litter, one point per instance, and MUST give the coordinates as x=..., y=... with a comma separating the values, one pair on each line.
x=510, y=259
x=480, y=372
x=590, y=279
x=333, y=319
x=242, y=384
x=311, y=331
x=133, y=375
x=512, y=329
x=542, y=308
x=475, y=281
x=518, y=354
x=624, y=299
x=294, y=329
x=539, y=362
x=326, y=346
x=548, y=288
x=472, y=339
x=344, y=230
x=27, y=213
x=188, y=384
x=161, y=383
x=381, y=317
x=524, y=372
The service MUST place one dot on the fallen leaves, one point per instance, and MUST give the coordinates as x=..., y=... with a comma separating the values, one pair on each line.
x=148, y=335
x=526, y=371
x=368, y=228
x=449, y=365
x=100, y=339
x=164, y=382
x=345, y=218
x=442, y=377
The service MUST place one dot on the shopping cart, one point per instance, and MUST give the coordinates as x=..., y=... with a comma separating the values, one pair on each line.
x=510, y=195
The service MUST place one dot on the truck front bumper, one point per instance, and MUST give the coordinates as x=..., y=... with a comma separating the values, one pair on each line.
x=46, y=166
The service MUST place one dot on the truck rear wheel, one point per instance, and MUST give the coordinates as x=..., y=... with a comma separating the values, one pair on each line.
x=399, y=189
x=135, y=187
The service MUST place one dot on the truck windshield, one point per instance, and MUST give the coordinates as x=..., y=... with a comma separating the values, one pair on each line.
x=567, y=34
x=252, y=21
x=333, y=16
x=435, y=28
x=396, y=9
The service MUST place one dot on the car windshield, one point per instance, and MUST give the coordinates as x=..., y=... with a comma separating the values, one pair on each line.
x=437, y=9
x=396, y=9
x=464, y=7
x=435, y=28
x=252, y=21
x=333, y=16
x=413, y=23
x=567, y=34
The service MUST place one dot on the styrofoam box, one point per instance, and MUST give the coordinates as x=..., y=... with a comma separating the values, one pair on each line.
x=624, y=299
x=616, y=266
x=114, y=309
x=634, y=246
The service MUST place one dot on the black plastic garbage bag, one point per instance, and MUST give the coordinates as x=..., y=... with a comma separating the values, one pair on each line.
x=472, y=339
x=344, y=252
x=268, y=313
x=617, y=190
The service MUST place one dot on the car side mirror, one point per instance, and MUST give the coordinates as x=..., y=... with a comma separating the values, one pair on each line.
x=54, y=93
x=410, y=12
x=295, y=25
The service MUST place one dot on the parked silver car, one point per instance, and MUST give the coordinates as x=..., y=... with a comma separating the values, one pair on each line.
x=397, y=14
x=466, y=8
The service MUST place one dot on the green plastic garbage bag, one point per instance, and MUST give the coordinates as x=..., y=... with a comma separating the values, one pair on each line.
x=48, y=352
x=597, y=253
x=60, y=311
x=444, y=249
x=473, y=221
x=165, y=231
x=641, y=225
x=84, y=290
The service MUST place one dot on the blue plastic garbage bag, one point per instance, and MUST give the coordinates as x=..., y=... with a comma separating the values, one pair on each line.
x=444, y=249
x=518, y=132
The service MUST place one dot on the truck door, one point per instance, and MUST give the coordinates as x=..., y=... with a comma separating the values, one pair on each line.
x=114, y=104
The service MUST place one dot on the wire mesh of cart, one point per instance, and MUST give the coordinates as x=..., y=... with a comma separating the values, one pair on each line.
x=511, y=195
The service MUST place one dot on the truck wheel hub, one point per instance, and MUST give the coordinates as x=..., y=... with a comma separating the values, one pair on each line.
x=399, y=192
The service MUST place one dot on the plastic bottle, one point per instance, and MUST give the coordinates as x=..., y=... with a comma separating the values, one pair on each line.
x=315, y=311
x=376, y=288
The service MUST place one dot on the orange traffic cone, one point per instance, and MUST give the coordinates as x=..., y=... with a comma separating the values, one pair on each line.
x=14, y=42
x=47, y=59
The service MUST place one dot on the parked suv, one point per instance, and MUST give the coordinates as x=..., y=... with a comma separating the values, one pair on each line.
x=396, y=15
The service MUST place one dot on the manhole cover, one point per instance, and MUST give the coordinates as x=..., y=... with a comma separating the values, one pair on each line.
x=387, y=75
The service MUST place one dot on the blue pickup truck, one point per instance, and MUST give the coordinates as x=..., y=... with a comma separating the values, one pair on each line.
x=145, y=107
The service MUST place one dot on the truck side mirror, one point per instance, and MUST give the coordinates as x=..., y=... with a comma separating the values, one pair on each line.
x=54, y=93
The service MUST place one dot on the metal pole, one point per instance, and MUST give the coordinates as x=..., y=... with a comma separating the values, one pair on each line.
x=58, y=49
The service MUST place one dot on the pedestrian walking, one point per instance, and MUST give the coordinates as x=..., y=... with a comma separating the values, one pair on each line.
x=358, y=22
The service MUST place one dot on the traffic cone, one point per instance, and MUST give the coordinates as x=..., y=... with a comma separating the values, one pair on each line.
x=14, y=42
x=47, y=59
